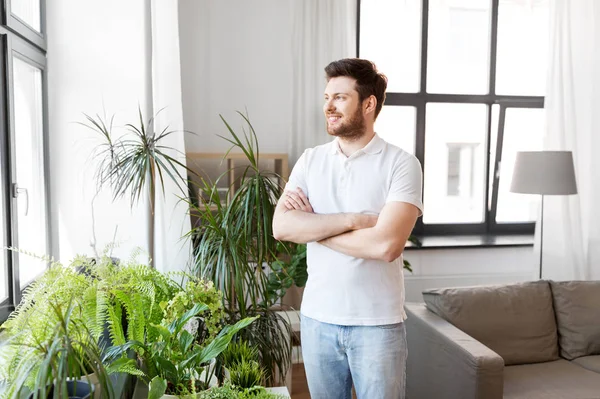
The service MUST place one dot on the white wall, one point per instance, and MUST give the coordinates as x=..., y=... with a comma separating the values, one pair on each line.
x=235, y=55
x=437, y=268
x=97, y=60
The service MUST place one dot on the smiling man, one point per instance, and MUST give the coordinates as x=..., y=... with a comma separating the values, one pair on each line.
x=354, y=201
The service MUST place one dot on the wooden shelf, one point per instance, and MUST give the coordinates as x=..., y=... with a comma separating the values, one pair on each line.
x=212, y=165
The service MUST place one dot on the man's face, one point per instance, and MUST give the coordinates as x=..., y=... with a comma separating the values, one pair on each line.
x=342, y=109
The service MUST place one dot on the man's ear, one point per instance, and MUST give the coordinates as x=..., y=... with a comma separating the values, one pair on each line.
x=370, y=104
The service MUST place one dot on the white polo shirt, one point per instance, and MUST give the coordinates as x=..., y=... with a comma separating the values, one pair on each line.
x=342, y=289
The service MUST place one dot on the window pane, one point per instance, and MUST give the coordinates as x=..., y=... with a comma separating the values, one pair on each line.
x=455, y=163
x=390, y=36
x=396, y=125
x=27, y=11
x=458, y=46
x=523, y=131
x=3, y=268
x=523, y=35
x=31, y=216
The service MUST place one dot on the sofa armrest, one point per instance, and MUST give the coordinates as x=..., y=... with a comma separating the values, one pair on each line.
x=444, y=362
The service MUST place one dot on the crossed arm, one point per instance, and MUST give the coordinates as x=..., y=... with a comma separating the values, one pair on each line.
x=367, y=237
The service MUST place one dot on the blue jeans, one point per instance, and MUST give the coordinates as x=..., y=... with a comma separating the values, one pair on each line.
x=373, y=357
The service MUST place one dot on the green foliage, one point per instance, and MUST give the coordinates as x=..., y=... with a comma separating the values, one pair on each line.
x=246, y=374
x=133, y=162
x=289, y=269
x=417, y=243
x=271, y=335
x=229, y=391
x=235, y=241
x=223, y=392
x=104, y=295
x=67, y=351
x=176, y=360
x=198, y=291
x=132, y=290
x=35, y=319
x=237, y=352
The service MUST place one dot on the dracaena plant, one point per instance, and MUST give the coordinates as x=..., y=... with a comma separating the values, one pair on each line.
x=233, y=243
x=136, y=162
x=174, y=363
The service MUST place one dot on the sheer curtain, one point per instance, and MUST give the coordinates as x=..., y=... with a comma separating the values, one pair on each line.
x=171, y=252
x=572, y=223
x=323, y=31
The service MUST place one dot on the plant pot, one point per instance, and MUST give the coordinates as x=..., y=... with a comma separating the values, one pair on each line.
x=214, y=381
x=91, y=378
x=75, y=389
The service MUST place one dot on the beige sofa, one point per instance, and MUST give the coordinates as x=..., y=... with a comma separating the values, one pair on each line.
x=533, y=340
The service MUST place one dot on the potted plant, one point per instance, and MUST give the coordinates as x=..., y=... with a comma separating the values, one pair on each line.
x=178, y=355
x=127, y=299
x=49, y=365
x=35, y=319
x=136, y=163
x=234, y=242
x=229, y=391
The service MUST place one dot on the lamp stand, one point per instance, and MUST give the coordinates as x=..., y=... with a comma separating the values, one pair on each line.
x=541, y=236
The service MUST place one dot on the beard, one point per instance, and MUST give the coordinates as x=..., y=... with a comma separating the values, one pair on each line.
x=351, y=130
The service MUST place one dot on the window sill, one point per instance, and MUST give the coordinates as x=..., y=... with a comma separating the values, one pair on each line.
x=473, y=241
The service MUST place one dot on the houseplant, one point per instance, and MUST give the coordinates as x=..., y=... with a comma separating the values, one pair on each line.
x=176, y=363
x=34, y=320
x=116, y=303
x=234, y=242
x=136, y=162
x=50, y=364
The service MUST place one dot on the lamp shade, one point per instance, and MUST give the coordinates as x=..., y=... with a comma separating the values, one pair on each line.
x=544, y=172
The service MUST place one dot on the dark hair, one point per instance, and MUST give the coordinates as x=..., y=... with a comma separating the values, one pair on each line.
x=369, y=82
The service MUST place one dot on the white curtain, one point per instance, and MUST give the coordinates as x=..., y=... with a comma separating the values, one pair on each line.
x=323, y=31
x=171, y=252
x=572, y=223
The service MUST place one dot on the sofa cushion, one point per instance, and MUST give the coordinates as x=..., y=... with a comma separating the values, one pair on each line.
x=589, y=362
x=577, y=306
x=516, y=321
x=560, y=379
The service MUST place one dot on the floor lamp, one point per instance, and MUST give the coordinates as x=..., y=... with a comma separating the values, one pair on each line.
x=545, y=173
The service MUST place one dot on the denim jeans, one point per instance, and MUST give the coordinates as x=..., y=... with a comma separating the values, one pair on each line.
x=371, y=357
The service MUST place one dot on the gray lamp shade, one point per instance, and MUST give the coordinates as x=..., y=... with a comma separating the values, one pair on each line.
x=544, y=172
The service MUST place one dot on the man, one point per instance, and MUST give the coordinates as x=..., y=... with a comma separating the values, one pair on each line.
x=355, y=202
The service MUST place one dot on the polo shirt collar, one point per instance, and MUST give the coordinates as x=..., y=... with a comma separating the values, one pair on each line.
x=375, y=146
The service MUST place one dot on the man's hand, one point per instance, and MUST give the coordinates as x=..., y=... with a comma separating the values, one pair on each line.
x=296, y=199
x=296, y=221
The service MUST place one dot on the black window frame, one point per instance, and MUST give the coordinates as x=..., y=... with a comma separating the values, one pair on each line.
x=420, y=99
x=17, y=39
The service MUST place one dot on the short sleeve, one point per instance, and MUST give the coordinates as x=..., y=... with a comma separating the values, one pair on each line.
x=298, y=175
x=407, y=182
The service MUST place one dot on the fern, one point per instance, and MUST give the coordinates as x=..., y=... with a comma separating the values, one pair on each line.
x=115, y=326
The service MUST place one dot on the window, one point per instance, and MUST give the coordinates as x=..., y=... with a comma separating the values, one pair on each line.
x=465, y=92
x=23, y=148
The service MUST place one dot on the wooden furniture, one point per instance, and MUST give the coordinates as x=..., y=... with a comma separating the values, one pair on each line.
x=229, y=168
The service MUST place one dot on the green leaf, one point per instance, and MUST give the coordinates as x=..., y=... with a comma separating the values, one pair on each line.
x=124, y=365
x=167, y=369
x=164, y=332
x=158, y=387
x=219, y=344
x=178, y=324
x=185, y=341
